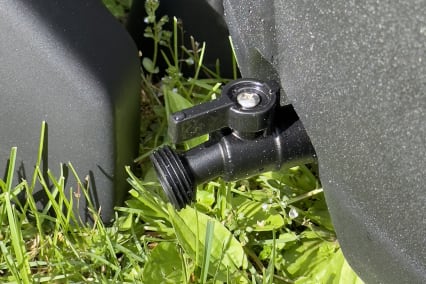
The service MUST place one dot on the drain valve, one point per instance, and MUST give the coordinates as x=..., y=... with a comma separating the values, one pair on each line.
x=249, y=132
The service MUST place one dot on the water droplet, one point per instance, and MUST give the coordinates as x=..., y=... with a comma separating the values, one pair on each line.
x=179, y=116
x=293, y=213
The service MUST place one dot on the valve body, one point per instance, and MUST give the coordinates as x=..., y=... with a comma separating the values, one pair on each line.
x=260, y=136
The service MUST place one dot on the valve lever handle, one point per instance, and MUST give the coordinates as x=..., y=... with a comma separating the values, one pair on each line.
x=200, y=119
x=246, y=106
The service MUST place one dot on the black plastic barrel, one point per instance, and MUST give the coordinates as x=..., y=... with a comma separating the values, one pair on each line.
x=71, y=64
x=355, y=74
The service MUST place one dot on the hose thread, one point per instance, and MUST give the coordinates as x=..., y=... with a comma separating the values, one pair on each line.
x=174, y=178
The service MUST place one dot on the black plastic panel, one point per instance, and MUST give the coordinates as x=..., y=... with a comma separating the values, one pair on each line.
x=355, y=73
x=71, y=64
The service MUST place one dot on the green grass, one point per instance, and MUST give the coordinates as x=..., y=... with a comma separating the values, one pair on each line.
x=272, y=228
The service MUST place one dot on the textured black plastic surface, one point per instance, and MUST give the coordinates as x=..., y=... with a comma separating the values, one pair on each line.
x=355, y=73
x=69, y=63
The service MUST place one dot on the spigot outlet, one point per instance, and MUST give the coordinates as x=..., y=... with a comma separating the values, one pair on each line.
x=176, y=180
x=262, y=136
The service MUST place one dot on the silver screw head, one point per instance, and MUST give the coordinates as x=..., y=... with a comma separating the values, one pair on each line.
x=248, y=99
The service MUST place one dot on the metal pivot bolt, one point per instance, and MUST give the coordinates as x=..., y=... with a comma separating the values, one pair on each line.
x=248, y=99
x=252, y=134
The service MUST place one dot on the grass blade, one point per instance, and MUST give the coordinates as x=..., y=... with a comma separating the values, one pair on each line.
x=207, y=251
x=14, y=225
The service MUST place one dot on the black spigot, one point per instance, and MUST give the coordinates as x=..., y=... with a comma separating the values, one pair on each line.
x=250, y=133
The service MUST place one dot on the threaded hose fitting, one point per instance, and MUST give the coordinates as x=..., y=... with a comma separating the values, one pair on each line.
x=174, y=177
